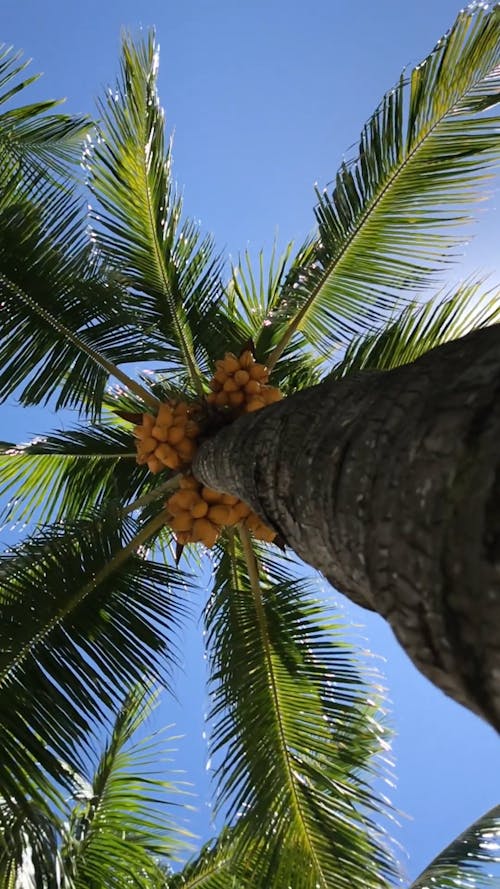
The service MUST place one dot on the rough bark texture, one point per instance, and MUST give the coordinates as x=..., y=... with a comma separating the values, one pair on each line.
x=389, y=484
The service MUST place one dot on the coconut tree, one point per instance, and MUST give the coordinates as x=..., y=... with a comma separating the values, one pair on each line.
x=90, y=601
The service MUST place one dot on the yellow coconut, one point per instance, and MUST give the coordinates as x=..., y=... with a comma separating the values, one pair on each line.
x=146, y=446
x=210, y=495
x=229, y=499
x=231, y=363
x=264, y=532
x=160, y=433
x=255, y=404
x=186, y=449
x=183, y=521
x=175, y=434
x=252, y=521
x=165, y=415
x=205, y=532
x=241, y=377
x=236, y=399
x=188, y=482
x=168, y=456
x=253, y=387
x=270, y=394
x=154, y=465
x=221, y=399
x=191, y=429
x=219, y=514
x=258, y=372
x=199, y=509
x=246, y=359
x=240, y=511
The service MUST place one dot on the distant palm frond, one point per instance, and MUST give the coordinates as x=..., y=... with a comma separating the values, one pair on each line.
x=471, y=861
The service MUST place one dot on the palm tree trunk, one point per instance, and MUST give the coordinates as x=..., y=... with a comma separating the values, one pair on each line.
x=389, y=484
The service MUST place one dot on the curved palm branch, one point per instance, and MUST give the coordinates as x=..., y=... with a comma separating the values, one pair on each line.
x=218, y=865
x=171, y=271
x=120, y=829
x=32, y=142
x=252, y=298
x=395, y=212
x=64, y=474
x=471, y=861
x=420, y=328
x=84, y=612
x=62, y=324
x=294, y=733
x=28, y=846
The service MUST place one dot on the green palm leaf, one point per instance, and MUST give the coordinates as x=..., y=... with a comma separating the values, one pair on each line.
x=172, y=272
x=63, y=325
x=471, y=861
x=420, y=328
x=64, y=474
x=294, y=733
x=28, y=846
x=32, y=142
x=120, y=828
x=218, y=865
x=85, y=612
x=396, y=210
x=253, y=297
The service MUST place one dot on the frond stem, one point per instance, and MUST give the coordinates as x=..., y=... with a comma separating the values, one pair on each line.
x=24, y=452
x=188, y=357
x=153, y=495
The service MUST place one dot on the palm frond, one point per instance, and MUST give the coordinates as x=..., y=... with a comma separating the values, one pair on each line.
x=420, y=328
x=396, y=211
x=218, y=865
x=85, y=613
x=63, y=325
x=65, y=474
x=33, y=142
x=28, y=846
x=121, y=827
x=296, y=732
x=254, y=297
x=471, y=861
x=171, y=271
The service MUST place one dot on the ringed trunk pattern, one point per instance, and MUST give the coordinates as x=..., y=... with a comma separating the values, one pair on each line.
x=389, y=484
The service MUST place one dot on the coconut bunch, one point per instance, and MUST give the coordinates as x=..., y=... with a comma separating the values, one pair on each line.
x=241, y=384
x=169, y=438
x=198, y=514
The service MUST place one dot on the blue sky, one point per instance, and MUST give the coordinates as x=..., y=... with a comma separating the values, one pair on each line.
x=265, y=99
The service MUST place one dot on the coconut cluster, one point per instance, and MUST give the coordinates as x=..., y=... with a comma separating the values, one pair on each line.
x=198, y=514
x=241, y=384
x=169, y=439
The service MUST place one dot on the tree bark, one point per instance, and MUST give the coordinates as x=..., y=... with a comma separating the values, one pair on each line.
x=389, y=484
